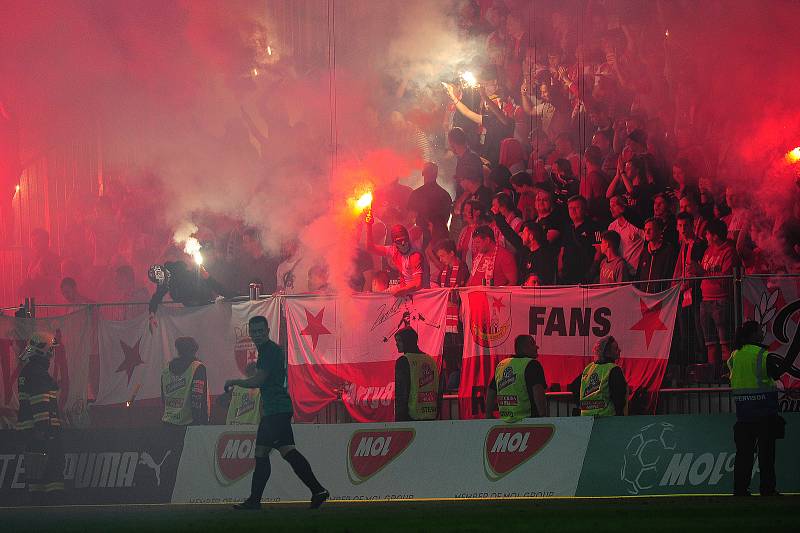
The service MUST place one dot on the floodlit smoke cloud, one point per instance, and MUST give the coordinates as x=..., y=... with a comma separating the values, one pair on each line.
x=744, y=70
x=171, y=89
x=426, y=47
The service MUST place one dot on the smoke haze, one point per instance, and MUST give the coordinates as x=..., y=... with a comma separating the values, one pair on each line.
x=170, y=86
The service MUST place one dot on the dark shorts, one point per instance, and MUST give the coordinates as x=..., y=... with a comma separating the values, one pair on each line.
x=275, y=431
x=716, y=319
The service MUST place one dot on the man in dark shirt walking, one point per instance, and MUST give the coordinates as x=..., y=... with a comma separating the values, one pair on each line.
x=275, y=429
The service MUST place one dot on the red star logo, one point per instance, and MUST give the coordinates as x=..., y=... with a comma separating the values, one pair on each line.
x=497, y=303
x=132, y=358
x=315, y=327
x=650, y=321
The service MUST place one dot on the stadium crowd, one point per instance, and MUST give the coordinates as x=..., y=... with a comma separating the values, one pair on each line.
x=577, y=161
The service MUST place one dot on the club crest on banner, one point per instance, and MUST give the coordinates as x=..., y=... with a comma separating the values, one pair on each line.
x=244, y=351
x=490, y=317
x=776, y=306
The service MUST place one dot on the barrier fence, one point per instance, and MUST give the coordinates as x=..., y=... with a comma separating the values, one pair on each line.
x=760, y=297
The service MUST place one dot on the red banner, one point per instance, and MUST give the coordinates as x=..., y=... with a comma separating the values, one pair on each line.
x=344, y=348
x=565, y=322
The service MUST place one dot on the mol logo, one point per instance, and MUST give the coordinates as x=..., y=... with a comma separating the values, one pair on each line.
x=235, y=453
x=369, y=452
x=652, y=459
x=507, y=447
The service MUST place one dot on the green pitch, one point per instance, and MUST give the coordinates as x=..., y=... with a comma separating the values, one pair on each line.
x=624, y=515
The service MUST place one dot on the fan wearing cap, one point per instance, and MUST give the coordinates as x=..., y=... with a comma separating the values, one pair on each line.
x=184, y=387
x=38, y=418
x=601, y=387
x=410, y=263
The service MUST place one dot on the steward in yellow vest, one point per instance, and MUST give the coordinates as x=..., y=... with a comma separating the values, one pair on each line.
x=603, y=390
x=245, y=404
x=184, y=388
x=416, y=378
x=753, y=375
x=518, y=387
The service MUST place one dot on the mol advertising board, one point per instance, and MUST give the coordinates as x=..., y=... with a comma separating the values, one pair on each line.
x=444, y=459
x=649, y=455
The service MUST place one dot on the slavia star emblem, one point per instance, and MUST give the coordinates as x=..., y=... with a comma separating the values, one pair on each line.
x=650, y=321
x=131, y=360
x=315, y=327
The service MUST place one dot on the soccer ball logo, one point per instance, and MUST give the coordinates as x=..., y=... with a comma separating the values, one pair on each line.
x=643, y=455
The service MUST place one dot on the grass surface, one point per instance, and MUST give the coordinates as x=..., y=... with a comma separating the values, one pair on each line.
x=624, y=515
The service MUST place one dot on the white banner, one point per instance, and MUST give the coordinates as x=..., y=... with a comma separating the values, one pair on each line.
x=566, y=322
x=346, y=346
x=445, y=459
x=70, y=364
x=132, y=357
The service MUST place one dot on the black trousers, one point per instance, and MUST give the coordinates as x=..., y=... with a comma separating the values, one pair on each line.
x=748, y=436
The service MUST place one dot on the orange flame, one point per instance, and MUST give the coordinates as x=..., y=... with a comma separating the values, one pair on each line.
x=360, y=204
x=793, y=156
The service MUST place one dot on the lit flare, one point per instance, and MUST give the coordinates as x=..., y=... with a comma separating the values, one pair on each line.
x=364, y=201
x=469, y=79
x=793, y=156
x=193, y=247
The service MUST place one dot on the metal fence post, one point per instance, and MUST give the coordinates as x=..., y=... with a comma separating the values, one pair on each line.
x=737, y=298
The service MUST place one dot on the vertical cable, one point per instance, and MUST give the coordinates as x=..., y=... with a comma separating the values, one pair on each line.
x=579, y=65
x=332, y=85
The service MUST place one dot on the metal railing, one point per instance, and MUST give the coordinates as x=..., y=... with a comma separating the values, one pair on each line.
x=696, y=399
x=699, y=400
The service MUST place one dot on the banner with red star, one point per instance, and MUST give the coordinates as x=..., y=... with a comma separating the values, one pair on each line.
x=566, y=322
x=343, y=347
x=133, y=356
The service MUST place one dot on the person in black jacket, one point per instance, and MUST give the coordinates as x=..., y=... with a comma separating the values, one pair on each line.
x=580, y=244
x=190, y=288
x=39, y=421
x=657, y=260
x=536, y=258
